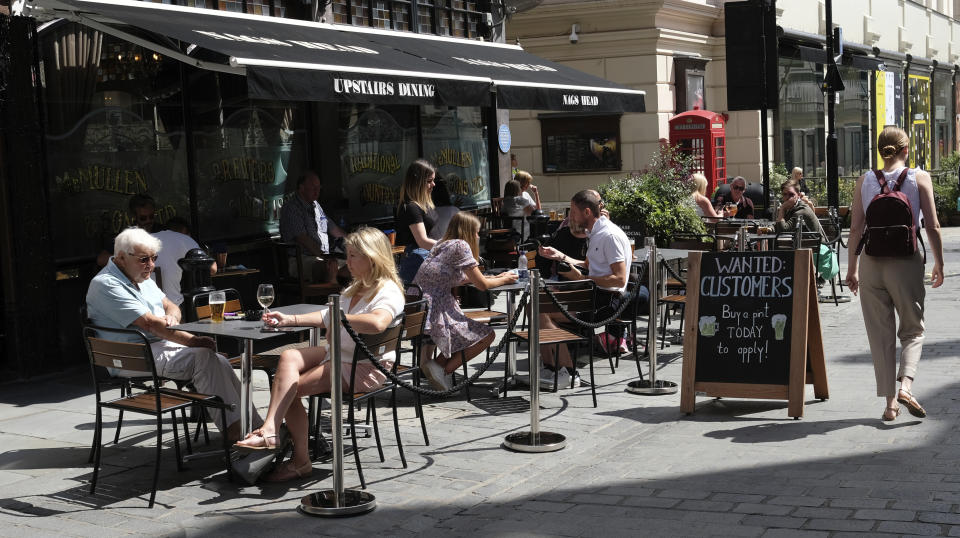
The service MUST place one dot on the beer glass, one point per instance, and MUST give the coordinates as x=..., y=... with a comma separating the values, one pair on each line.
x=217, y=302
x=265, y=296
x=731, y=209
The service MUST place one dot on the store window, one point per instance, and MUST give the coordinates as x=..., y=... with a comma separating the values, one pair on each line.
x=689, y=83
x=244, y=153
x=800, y=116
x=942, y=118
x=575, y=143
x=852, y=123
x=455, y=141
x=918, y=126
x=114, y=129
x=458, y=18
x=377, y=143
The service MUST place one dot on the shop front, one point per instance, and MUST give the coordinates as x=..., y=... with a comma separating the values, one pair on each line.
x=210, y=113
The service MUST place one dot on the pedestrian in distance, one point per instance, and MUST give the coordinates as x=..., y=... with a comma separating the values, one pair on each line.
x=888, y=277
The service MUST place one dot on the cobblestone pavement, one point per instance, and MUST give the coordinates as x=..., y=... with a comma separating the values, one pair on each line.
x=634, y=466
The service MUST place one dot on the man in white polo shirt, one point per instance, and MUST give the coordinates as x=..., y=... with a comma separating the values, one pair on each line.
x=608, y=261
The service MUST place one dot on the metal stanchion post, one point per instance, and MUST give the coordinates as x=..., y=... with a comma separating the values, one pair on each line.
x=742, y=238
x=651, y=386
x=535, y=440
x=336, y=502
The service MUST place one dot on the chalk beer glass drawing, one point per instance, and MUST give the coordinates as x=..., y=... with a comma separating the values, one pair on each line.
x=708, y=325
x=778, y=322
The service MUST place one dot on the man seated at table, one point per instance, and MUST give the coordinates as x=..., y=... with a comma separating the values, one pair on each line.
x=176, y=243
x=793, y=204
x=303, y=221
x=608, y=260
x=122, y=296
x=737, y=196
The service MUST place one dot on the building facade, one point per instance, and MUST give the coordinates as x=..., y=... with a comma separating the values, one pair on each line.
x=899, y=66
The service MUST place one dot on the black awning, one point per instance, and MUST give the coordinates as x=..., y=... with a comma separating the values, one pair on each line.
x=300, y=60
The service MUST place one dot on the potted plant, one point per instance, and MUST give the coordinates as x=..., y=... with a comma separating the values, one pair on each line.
x=656, y=201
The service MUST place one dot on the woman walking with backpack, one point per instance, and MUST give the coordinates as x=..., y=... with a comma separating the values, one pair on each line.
x=891, y=270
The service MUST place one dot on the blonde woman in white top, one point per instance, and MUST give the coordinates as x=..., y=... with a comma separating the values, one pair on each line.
x=698, y=193
x=372, y=301
x=894, y=284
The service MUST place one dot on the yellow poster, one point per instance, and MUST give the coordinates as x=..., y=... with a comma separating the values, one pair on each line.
x=919, y=124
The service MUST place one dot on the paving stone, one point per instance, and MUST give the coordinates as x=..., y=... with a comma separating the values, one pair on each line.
x=839, y=524
x=886, y=515
x=784, y=522
x=903, y=527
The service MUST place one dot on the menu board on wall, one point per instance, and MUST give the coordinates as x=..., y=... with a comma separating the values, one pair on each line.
x=752, y=318
x=580, y=151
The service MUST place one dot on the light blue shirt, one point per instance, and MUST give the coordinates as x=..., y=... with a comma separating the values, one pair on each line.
x=114, y=301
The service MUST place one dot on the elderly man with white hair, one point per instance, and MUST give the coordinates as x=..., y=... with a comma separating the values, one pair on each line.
x=123, y=296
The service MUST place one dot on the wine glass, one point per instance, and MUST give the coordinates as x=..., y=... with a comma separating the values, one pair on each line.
x=265, y=296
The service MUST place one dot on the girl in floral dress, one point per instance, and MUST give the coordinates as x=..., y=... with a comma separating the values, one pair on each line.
x=453, y=262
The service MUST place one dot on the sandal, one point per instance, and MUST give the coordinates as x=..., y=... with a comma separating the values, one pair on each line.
x=250, y=443
x=287, y=471
x=913, y=406
x=886, y=418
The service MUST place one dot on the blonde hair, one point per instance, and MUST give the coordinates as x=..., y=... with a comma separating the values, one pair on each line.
x=698, y=183
x=891, y=142
x=373, y=245
x=414, y=187
x=796, y=173
x=523, y=178
x=465, y=226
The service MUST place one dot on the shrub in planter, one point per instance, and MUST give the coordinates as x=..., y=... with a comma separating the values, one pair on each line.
x=945, y=190
x=657, y=199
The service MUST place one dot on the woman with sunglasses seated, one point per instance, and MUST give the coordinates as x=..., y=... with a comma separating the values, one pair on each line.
x=370, y=304
x=737, y=196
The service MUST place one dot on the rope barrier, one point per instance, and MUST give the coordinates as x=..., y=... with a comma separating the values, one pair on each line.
x=362, y=346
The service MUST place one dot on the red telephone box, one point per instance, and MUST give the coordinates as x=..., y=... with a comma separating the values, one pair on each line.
x=702, y=134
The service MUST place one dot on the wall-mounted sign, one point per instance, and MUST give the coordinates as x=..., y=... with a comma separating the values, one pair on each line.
x=503, y=138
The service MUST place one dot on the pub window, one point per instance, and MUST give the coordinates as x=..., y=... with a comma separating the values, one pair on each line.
x=689, y=82
x=459, y=18
x=580, y=143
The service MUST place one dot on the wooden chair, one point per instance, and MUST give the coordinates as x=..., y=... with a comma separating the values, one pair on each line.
x=414, y=322
x=379, y=345
x=578, y=296
x=299, y=284
x=265, y=363
x=136, y=356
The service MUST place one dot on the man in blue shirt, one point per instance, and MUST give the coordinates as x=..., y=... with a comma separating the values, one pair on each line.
x=123, y=296
x=303, y=221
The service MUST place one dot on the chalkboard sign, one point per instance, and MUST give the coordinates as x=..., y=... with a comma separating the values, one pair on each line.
x=745, y=310
x=753, y=328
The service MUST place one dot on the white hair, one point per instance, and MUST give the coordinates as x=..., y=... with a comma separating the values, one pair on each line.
x=134, y=237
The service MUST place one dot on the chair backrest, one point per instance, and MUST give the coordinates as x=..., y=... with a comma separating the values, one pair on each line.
x=201, y=303
x=382, y=343
x=415, y=318
x=412, y=293
x=131, y=356
x=577, y=296
x=831, y=229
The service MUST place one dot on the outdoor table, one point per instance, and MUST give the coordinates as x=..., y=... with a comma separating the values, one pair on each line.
x=511, y=290
x=249, y=331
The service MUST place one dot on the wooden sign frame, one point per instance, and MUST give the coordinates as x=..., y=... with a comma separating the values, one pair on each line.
x=806, y=348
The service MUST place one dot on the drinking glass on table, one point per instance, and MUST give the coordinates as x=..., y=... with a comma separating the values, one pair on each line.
x=218, y=301
x=265, y=296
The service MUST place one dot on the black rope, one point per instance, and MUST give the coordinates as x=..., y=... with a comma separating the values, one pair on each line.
x=625, y=301
x=362, y=346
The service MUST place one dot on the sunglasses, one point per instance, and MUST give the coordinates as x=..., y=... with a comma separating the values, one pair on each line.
x=737, y=188
x=144, y=259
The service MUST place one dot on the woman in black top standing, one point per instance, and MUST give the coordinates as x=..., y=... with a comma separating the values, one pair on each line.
x=413, y=219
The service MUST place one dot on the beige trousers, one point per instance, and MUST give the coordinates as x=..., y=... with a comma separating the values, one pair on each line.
x=889, y=285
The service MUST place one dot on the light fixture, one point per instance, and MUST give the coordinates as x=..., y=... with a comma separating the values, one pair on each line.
x=573, y=33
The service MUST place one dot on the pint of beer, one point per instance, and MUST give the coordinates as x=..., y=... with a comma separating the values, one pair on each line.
x=217, y=302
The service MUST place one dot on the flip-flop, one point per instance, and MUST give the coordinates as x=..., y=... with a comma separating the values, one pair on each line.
x=264, y=446
x=913, y=406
